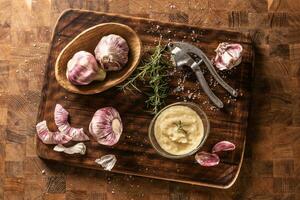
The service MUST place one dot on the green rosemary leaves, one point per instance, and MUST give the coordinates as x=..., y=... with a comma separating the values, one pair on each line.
x=153, y=72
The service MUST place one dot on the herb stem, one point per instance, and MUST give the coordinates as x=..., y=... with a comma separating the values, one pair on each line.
x=180, y=127
x=154, y=73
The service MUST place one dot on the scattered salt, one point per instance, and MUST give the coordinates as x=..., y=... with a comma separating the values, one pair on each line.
x=172, y=6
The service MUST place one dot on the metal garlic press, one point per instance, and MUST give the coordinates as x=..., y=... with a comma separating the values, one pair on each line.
x=182, y=54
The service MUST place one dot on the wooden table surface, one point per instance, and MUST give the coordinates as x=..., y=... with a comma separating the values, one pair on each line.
x=271, y=168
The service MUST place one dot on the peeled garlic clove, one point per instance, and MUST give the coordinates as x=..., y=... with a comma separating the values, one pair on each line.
x=228, y=55
x=61, y=120
x=106, y=126
x=112, y=52
x=207, y=159
x=223, y=146
x=107, y=161
x=82, y=69
x=79, y=148
x=49, y=137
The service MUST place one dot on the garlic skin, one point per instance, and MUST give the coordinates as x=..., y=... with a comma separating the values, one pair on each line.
x=223, y=146
x=107, y=161
x=207, y=159
x=228, y=56
x=106, y=126
x=49, y=137
x=112, y=52
x=61, y=120
x=79, y=148
x=82, y=69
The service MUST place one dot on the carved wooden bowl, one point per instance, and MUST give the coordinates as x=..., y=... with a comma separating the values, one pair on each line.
x=87, y=41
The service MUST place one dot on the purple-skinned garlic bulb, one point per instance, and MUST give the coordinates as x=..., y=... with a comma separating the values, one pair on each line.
x=223, y=146
x=207, y=159
x=49, y=137
x=112, y=52
x=82, y=69
x=106, y=126
x=61, y=120
x=228, y=56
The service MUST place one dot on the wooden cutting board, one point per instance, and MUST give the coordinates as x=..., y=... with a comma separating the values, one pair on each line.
x=134, y=153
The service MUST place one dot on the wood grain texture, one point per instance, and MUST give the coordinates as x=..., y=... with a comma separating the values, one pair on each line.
x=271, y=167
x=134, y=153
x=87, y=40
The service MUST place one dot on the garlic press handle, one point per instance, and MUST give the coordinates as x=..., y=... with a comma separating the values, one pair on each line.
x=217, y=77
x=195, y=67
x=215, y=74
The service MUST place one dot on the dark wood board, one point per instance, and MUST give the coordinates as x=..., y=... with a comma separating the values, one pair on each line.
x=134, y=153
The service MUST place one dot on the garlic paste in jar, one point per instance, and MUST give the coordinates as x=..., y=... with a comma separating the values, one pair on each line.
x=178, y=130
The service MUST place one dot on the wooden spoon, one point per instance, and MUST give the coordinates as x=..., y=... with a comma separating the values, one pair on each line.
x=87, y=41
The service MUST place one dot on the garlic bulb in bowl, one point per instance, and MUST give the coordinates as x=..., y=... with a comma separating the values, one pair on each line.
x=106, y=126
x=112, y=52
x=82, y=69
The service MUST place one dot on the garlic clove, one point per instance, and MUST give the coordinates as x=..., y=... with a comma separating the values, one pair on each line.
x=107, y=161
x=82, y=69
x=112, y=52
x=79, y=148
x=228, y=56
x=223, y=146
x=207, y=159
x=48, y=137
x=61, y=120
x=106, y=126
x=78, y=134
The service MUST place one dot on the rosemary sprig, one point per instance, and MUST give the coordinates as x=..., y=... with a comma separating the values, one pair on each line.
x=180, y=127
x=153, y=71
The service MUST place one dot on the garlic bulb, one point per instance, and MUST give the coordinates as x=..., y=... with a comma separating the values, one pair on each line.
x=61, y=121
x=107, y=161
x=223, y=146
x=112, y=52
x=228, y=55
x=82, y=69
x=207, y=159
x=49, y=137
x=77, y=148
x=106, y=126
